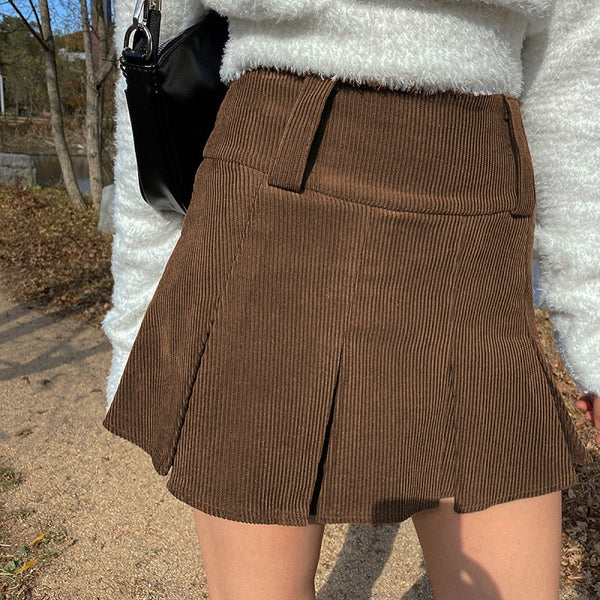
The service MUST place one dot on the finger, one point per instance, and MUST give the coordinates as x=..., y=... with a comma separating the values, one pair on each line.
x=596, y=412
x=583, y=405
x=589, y=398
x=592, y=412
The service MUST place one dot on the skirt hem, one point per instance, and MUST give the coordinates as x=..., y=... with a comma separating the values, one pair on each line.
x=288, y=519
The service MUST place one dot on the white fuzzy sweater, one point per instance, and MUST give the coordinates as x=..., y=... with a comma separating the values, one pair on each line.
x=546, y=52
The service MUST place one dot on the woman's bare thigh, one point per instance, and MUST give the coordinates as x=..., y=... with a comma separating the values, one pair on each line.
x=258, y=562
x=510, y=551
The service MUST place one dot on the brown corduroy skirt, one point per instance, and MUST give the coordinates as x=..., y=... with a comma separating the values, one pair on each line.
x=345, y=330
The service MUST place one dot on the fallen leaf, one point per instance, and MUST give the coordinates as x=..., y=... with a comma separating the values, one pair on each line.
x=26, y=566
x=39, y=539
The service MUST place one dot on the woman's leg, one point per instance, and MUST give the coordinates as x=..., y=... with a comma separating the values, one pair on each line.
x=246, y=561
x=510, y=551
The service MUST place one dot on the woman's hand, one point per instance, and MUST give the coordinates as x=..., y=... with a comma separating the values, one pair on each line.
x=589, y=405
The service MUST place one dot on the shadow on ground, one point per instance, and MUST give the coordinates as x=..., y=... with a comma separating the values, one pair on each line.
x=362, y=561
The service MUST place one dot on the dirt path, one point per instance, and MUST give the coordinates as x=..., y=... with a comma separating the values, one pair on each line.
x=123, y=536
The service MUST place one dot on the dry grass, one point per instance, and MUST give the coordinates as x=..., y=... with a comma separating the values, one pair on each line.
x=53, y=254
x=35, y=135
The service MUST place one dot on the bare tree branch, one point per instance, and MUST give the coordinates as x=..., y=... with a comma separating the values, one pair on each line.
x=35, y=14
x=37, y=35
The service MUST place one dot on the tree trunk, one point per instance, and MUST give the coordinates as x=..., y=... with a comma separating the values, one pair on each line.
x=56, y=119
x=93, y=137
x=97, y=66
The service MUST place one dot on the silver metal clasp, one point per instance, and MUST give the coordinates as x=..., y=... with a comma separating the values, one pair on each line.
x=140, y=12
x=140, y=18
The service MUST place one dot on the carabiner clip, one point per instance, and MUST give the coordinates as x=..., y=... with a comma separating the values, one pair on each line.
x=140, y=16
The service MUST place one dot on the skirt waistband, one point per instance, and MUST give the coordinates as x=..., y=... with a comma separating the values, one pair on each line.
x=448, y=152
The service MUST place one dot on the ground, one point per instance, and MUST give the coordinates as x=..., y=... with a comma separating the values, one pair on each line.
x=83, y=515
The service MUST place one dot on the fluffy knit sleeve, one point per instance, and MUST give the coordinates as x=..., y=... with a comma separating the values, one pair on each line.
x=143, y=237
x=561, y=114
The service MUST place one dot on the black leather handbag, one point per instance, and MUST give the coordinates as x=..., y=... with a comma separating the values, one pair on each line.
x=173, y=95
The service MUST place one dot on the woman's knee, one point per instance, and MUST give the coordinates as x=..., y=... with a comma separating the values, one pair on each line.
x=256, y=561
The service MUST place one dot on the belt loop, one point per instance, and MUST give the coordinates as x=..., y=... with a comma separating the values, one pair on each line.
x=525, y=188
x=289, y=163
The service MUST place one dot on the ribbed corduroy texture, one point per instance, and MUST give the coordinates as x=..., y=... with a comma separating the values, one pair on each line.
x=345, y=328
